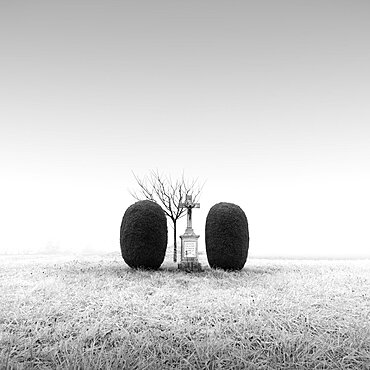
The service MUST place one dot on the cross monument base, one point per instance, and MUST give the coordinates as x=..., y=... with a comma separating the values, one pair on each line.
x=190, y=266
x=189, y=252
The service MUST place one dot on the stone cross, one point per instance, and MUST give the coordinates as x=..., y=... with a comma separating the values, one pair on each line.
x=189, y=204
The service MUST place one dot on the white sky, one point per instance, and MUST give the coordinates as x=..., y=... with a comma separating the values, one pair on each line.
x=266, y=101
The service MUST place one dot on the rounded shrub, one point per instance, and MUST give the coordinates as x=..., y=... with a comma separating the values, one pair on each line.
x=227, y=236
x=143, y=236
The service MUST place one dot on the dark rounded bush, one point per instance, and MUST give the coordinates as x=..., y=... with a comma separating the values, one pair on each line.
x=144, y=235
x=227, y=236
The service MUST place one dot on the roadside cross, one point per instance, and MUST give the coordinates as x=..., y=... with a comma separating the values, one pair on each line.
x=189, y=204
x=189, y=240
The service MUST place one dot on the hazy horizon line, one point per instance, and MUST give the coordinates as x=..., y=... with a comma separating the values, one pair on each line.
x=267, y=257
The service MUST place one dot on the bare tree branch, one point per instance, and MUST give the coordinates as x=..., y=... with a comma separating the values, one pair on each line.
x=168, y=194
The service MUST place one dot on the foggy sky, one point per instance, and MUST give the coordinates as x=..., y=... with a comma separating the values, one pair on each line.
x=267, y=101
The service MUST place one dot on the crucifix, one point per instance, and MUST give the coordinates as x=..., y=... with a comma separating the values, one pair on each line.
x=189, y=204
x=189, y=241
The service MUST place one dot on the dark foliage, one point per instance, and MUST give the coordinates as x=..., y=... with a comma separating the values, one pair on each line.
x=144, y=235
x=227, y=236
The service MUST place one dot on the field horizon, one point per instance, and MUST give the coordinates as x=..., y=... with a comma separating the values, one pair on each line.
x=202, y=255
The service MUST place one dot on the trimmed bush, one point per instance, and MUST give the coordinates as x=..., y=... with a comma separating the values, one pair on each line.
x=227, y=236
x=143, y=236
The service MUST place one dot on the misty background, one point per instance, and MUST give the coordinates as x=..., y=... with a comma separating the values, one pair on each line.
x=268, y=102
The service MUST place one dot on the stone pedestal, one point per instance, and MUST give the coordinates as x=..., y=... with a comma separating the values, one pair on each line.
x=189, y=252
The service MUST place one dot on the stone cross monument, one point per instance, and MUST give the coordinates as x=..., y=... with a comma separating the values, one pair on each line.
x=189, y=240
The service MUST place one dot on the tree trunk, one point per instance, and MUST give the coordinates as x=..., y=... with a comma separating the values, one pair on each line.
x=174, y=242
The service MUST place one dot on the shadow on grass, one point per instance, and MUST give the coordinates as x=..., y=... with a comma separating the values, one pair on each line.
x=253, y=269
x=119, y=269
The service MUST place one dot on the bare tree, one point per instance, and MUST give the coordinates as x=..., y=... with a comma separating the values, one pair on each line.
x=168, y=194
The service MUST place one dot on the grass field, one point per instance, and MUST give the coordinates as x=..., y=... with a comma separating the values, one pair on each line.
x=94, y=312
